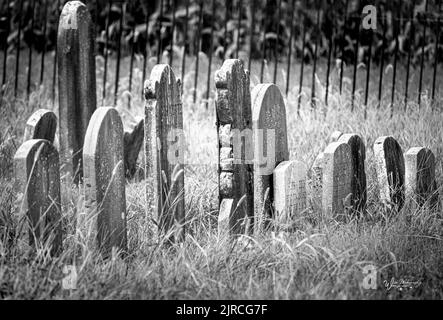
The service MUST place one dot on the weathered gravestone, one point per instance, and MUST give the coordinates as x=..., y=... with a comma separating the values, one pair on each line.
x=289, y=191
x=337, y=180
x=104, y=179
x=316, y=172
x=36, y=165
x=420, y=180
x=390, y=171
x=133, y=142
x=234, y=121
x=164, y=149
x=76, y=83
x=358, y=150
x=41, y=125
x=270, y=140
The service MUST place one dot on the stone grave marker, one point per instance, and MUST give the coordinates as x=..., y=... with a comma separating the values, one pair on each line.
x=358, y=150
x=270, y=147
x=104, y=179
x=337, y=180
x=420, y=180
x=36, y=166
x=234, y=123
x=164, y=149
x=41, y=125
x=316, y=173
x=289, y=191
x=390, y=171
x=76, y=84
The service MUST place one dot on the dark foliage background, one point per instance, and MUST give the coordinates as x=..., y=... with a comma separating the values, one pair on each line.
x=394, y=17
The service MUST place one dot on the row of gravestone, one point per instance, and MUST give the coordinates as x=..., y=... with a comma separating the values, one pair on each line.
x=260, y=187
x=256, y=179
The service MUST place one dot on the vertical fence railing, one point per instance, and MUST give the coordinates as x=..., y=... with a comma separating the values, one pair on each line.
x=422, y=62
x=17, y=48
x=436, y=50
x=106, y=50
x=5, y=48
x=291, y=36
x=283, y=32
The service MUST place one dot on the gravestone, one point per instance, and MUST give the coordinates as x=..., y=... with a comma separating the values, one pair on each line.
x=76, y=84
x=270, y=147
x=420, y=180
x=133, y=142
x=337, y=180
x=164, y=149
x=358, y=150
x=390, y=171
x=41, y=125
x=289, y=191
x=234, y=122
x=316, y=173
x=104, y=179
x=36, y=166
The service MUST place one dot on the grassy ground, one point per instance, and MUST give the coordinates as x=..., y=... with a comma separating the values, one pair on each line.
x=320, y=260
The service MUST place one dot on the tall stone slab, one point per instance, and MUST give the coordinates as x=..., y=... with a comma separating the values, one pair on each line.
x=41, y=125
x=164, y=149
x=289, y=191
x=420, y=180
x=36, y=166
x=76, y=84
x=390, y=171
x=337, y=180
x=104, y=179
x=270, y=140
x=234, y=125
x=358, y=150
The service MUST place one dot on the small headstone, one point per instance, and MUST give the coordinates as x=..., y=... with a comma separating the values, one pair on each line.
x=133, y=141
x=337, y=180
x=390, y=171
x=36, y=165
x=317, y=179
x=104, y=179
x=270, y=147
x=234, y=115
x=164, y=151
x=358, y=150
x=76, y=84
x=41, y=125
x=289, y=191
x=420, y=176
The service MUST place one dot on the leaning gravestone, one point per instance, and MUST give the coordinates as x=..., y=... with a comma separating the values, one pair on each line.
x=358, y=150
x=104, y=179
x=270, y=140
x=316, y=173
x=164, y=149
x=234, y=121
x=289, y=191
x=390, y=171
x=337, y=180
x=76, y=83
x=41, y=125
x=36, y=165
x=420, y=176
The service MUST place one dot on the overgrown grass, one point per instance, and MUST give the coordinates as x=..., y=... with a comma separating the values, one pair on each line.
x=322, y=259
